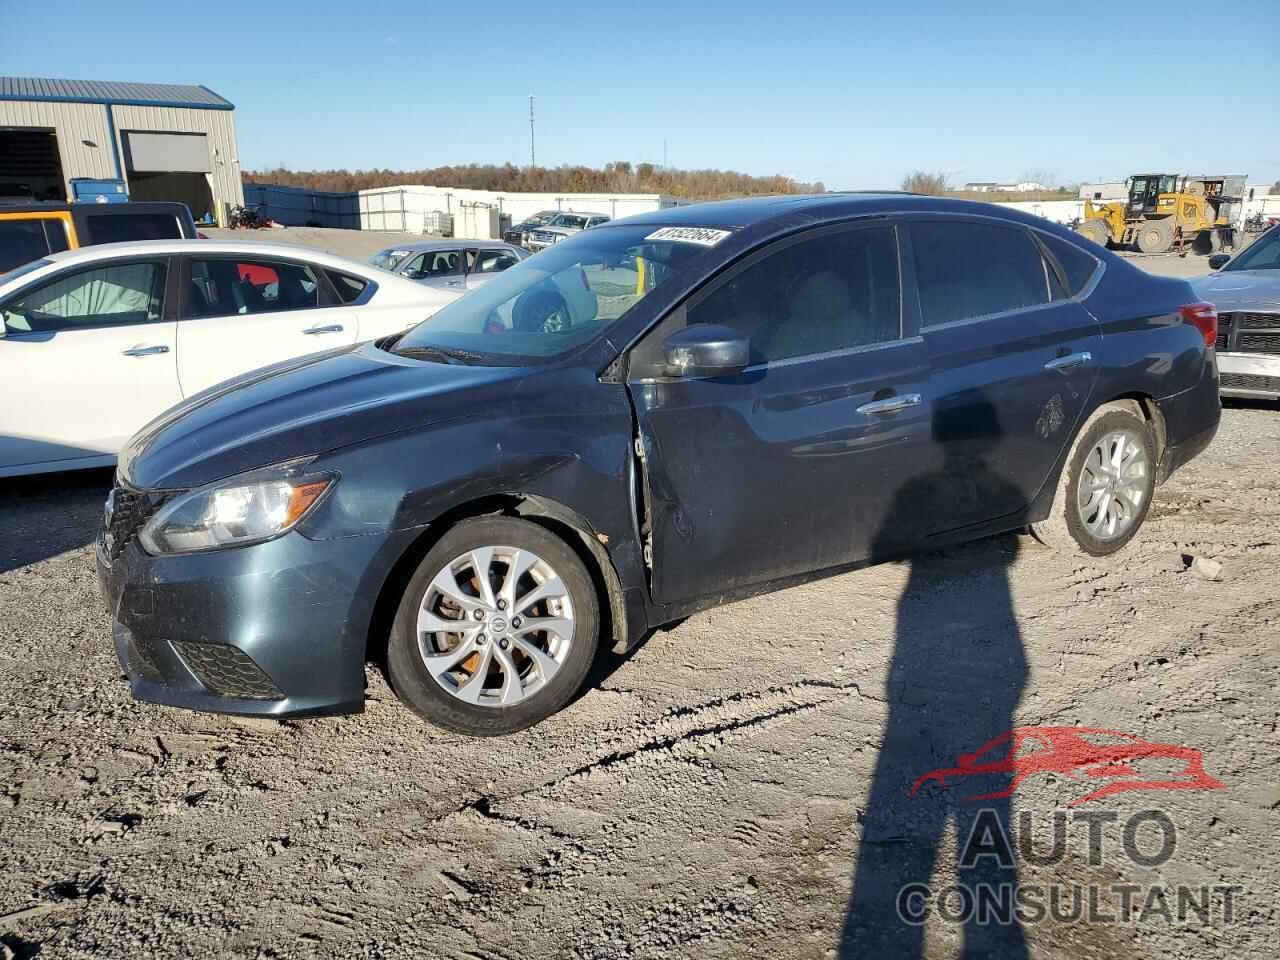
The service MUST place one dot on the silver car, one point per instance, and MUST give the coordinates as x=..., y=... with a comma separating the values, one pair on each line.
x=457, y=265
x=563, y=225
x=1246, y=291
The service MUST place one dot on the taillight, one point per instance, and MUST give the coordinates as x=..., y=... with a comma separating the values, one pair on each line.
x=1204, y=317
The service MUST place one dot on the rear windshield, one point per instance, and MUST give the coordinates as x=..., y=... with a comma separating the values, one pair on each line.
x=554, y=302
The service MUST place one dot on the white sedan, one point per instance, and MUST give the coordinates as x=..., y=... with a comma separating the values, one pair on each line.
x=98, y=341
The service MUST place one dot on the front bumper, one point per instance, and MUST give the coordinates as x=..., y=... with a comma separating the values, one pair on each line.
x=1250, y=375
x=276, y=629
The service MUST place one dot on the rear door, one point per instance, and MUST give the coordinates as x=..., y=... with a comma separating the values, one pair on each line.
x=241, y=313
x=1013, y=357
x=806, y=459
x=441, y=269
x=86, y=358
x=483, y=265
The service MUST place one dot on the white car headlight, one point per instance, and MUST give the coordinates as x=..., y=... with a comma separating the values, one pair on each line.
x=234, y=512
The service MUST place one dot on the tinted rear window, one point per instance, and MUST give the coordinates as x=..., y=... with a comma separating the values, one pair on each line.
x=1074, y=270
x=118, y=227
x=349, y=288
x=967, y=270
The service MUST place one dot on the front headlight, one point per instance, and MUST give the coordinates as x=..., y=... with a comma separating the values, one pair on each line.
x=235, y=512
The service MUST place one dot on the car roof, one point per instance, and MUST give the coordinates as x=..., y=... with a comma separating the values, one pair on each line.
x=427, y=246
x=812, y=209
x=259, y=248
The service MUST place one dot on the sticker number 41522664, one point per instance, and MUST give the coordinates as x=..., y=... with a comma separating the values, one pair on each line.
x=703, y=236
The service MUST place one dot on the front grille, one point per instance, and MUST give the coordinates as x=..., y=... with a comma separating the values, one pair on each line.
x=1256, y=321
x=1249, y=381
x=543, y=237
x=1225, y=321
x=1258, y=342
x=127, y=511
x=227, y=671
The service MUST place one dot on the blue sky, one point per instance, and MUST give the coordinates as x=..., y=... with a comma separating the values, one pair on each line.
x=826, y=91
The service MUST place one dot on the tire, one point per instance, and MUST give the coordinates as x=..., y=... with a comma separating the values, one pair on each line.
x=543, y=682
x=1067, y=528
x=1205, y=243
x=1094, y=230
x=1156, y=236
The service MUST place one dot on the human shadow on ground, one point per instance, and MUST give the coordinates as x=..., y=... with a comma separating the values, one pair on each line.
x=957, y=673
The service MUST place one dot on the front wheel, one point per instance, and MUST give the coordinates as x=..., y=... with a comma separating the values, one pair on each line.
x=496, y=629
x=1105, y=488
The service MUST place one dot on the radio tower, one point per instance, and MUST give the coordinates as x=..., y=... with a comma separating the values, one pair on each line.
x=532, y=161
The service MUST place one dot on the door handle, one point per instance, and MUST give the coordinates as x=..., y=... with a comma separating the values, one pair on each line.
x=890, y=404
x=148, y=351
x=327, y=328
x=1069, y=361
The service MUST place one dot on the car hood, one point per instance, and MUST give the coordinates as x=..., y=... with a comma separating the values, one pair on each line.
x=297, y=409
x=1240, y=290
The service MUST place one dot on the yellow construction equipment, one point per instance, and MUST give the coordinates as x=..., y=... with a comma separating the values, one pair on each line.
x=1169, y=210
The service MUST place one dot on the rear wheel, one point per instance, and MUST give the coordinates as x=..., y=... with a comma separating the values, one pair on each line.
x=1094, y=230
x=496, y=630
x=1106, y=486
x=1156, y=236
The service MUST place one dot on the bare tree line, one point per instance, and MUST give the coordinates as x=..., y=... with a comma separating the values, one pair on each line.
x=619, y=177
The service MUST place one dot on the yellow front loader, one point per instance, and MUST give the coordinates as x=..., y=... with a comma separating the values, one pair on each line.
x=1167, y=211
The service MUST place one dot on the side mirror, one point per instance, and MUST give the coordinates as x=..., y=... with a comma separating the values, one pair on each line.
x=705, y=350
x=1218, y=261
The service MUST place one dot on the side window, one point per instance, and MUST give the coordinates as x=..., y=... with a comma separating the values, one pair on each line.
x=222, y=288
x=55, y=233
x=1070, y=268
x=117, y=227
x=830, y=292
x=22, y=241
x=349, y=288
x=118, y=294
x=494, y=261
x=966, y=269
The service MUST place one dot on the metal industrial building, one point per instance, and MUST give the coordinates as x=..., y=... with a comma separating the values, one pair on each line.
x=166, y=141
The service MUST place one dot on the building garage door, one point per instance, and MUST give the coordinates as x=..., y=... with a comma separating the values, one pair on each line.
x=29, y=164
x=167, y=152
x=169, y=166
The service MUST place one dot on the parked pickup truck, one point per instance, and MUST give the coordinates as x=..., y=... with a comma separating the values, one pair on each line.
x=30, y=230
x=563, y=225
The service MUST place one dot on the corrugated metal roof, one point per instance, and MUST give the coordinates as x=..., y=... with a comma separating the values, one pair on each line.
x=108, y=91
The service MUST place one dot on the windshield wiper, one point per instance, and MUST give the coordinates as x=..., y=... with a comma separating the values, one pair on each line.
x=440, y=354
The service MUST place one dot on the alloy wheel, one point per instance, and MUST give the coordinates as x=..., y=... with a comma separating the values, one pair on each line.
x=1112, y=488
x=495, y=625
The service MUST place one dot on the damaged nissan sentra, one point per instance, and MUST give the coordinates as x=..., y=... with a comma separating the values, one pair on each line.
x=656, y=416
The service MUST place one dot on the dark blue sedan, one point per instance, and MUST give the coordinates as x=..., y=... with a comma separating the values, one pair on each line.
x=656, y=416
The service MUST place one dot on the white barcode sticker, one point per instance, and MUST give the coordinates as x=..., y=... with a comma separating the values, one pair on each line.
x=703, y=236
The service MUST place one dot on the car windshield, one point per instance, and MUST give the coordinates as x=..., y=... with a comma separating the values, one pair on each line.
x=568, y=220
x=554, y=302
x=388, y=259
x=1262, y=254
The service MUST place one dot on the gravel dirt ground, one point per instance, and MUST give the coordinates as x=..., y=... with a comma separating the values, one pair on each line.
x=733, y=789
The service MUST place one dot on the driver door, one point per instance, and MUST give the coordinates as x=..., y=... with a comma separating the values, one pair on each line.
x=806, y=459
